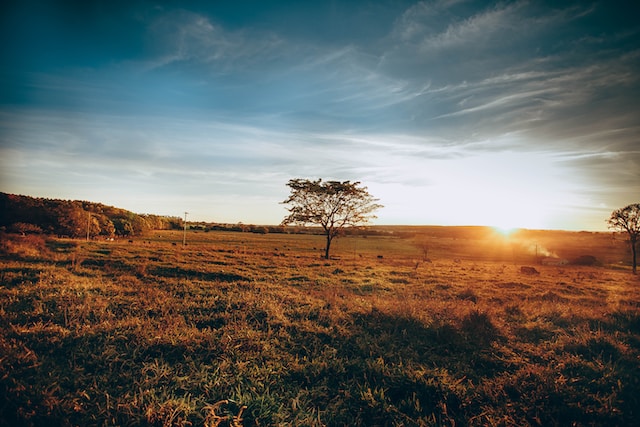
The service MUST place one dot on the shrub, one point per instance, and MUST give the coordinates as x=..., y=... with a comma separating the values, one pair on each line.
x=585, y=260
x=25, y=228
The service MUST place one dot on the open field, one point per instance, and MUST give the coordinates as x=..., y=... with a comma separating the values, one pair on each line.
x=436, y=327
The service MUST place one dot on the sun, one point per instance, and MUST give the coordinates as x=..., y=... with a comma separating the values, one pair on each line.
x=505, y=231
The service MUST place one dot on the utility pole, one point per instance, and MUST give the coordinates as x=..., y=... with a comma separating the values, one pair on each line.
x=184, y=236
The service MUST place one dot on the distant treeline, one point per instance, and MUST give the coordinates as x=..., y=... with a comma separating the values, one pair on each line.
x=266, y=229
x=30, y=215
x=74, y=218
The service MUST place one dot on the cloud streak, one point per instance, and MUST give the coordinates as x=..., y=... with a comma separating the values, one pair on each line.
x=442, y=105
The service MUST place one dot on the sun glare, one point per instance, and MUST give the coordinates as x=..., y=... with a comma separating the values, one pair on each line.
x=508, y=191
x=505, y=231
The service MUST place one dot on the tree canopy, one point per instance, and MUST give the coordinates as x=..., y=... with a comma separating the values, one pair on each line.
x=74, y=218
x=332, y=205
x=627, y=220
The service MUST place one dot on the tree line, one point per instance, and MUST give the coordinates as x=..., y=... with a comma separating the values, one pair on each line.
x=75, y=218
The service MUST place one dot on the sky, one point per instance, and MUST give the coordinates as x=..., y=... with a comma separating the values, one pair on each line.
x=450, y=112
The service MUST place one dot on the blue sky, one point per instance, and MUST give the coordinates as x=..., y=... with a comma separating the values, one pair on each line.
x=451, y=112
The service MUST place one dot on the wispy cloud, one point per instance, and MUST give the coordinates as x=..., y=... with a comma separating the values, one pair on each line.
x=181, y=36
x=456, y=101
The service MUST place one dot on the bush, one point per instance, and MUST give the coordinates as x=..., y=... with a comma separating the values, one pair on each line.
x=25, y=228
x=585, y=260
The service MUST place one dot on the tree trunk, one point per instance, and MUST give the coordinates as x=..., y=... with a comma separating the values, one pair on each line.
x=633, y=255
x=326, y=251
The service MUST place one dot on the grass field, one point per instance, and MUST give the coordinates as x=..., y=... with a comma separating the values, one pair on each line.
x=424, y=327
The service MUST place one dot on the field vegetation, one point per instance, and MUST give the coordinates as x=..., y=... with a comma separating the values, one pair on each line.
x=412, y=326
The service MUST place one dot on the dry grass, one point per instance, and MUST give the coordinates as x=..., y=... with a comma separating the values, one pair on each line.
x=253, y=330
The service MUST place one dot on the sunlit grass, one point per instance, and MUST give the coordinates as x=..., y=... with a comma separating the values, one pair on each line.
x=243, y=329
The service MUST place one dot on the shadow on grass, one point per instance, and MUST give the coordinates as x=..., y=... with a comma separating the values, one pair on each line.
x=12, y=277
x=178, y=272
x=627, y=320
x=386, y=369
x=61, y=246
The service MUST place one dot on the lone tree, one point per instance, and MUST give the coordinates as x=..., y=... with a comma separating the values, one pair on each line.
x=628, y=219
x=333, y=205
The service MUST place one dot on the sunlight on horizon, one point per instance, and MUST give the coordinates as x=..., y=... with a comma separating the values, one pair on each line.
x=503, y=190
x=505, y=232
